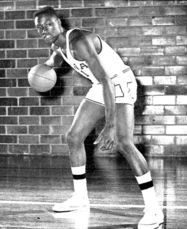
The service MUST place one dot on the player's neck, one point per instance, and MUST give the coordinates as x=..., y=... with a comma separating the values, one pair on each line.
x=61, y=40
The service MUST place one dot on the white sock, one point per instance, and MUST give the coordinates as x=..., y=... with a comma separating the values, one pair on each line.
x=148, y=191
x=79, y=179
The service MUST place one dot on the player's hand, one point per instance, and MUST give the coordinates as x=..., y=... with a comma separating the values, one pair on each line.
x=106, y=138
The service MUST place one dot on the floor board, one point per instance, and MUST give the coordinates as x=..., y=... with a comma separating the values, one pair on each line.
x=29, y=186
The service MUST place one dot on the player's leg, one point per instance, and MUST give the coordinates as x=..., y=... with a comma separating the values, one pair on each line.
x=124, y=131
x=85, y=120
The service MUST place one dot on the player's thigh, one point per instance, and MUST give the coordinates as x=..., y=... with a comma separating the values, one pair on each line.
x=124, y=122
x=86, y=118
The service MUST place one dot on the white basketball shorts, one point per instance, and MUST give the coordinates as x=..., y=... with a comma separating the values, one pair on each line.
x=125, y=89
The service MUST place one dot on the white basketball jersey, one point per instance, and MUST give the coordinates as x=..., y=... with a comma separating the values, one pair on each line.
x=109, y=59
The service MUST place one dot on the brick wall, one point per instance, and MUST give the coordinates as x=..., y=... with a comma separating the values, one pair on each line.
x=150, y=36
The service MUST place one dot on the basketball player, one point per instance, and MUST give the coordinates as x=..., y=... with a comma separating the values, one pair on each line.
x=113, y=94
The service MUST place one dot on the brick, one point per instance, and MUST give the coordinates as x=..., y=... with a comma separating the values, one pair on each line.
x=8, y=102
x=26, y=63
x=2, y=130
x=60, y=129
x=8, y=139
x=159, y=100
x=73, y=100
x=60, y=150
x=127, y=11
x=2, y=110
x=18, y=149
x=177, y=129
x=152, y=50
x=16, y=53
x=53, y=3
x=181, y=60
x=2, y=73
x=142, y=139
x=25, y=24
x=128, y=51
x=50, y=139
x=144, y=80
x=39, y=149
x=153, y=10
x=39, y=111
x=29, y=102
x=151, y=71
x=38, y=53
x=176, y=50
x=24, y=120
x=2, y=54
x=2, y=35
x=1, y=15
x=181, y=40
x=51, y=101
x=65, y=110
x=87, y=12
x=51, y=120
x=92, y=22
x=29, y=43
x=92, y=3
x=153, y=31
x=43, y=44
x=175, y=110
x=153, y=129
x=6, y=5
x=7, y=63
x=176, y=151
x=181, y=20
x=15, y=34
x=118, y=3
x=32, y=33
x=159, y=110
x=3, y=148
x=26, y=4
x=7, y=83
x=7, y=44
x=38, y=129
x=16, y=130
x=116, y=21
x=67, y=120
x=169, y=20
x=182, y=80
x=165, y=80
x=30, y=139
x=17, y=111
x=176, y=90
x=6, y=25
x=23, y=83
x=181, y=140
x=163, y=60
x=80, y=91
x=154, y=119
x=163, y=41
x=163, y=140
x=138, y=129
x=14, y=15
x=8, y=120
x=139, y=21
x=15, y=73
x=175, y=70
x=181, y=119
x=181, y=99
x=17, y=92
x=135, y=31
x=3, y=92
x=178, y=30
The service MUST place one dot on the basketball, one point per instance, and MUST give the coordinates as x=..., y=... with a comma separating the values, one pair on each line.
x=42, y=78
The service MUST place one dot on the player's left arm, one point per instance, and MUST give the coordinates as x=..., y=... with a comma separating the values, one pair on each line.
x=86, y=50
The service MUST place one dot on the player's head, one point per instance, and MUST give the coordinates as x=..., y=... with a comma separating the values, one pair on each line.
x=48, y=24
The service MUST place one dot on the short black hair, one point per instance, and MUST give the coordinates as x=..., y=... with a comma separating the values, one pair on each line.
x=46, y=10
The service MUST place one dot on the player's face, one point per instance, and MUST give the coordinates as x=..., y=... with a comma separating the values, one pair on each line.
x=49, y=27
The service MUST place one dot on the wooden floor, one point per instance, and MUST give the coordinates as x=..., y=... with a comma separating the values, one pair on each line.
x=29, y=186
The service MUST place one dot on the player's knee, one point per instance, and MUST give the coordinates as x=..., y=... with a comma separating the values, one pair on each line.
x=125, y=145
x=72, y=138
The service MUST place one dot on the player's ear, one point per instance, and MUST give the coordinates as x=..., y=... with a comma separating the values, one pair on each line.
x=59, y=22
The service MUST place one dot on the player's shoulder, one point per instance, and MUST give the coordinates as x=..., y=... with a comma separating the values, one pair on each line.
x=80, y=36
x=54, y=47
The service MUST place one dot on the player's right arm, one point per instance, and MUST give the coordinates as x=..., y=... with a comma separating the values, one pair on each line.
x=55, y=60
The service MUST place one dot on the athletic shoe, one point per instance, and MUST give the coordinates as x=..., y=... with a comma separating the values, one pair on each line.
x=151, y=219
x=75, y=202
